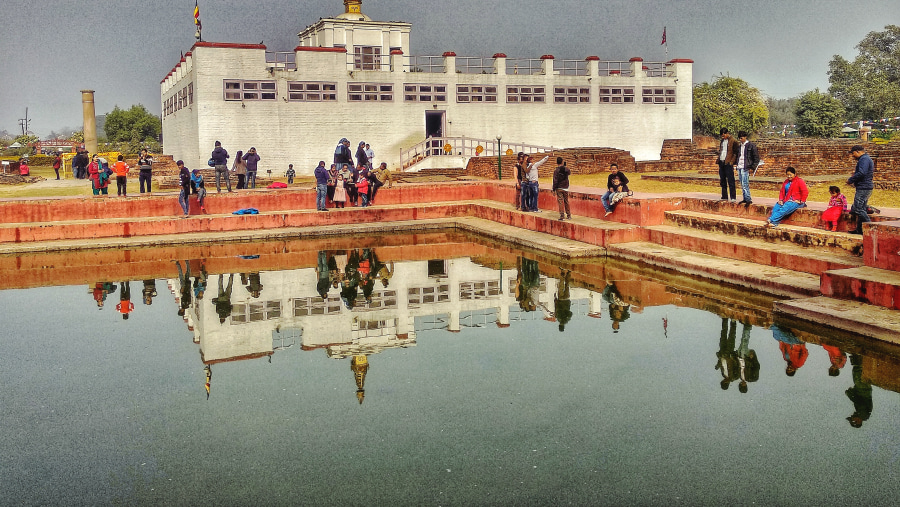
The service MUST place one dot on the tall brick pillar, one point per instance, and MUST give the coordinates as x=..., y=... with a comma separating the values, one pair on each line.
x=90, y=121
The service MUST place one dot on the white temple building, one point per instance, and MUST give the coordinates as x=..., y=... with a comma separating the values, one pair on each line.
x=354, y=77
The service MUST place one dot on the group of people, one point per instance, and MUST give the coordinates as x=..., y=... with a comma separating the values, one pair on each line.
x=245, y=167
x=101, y=290
x=794, y=192
x=348, y=181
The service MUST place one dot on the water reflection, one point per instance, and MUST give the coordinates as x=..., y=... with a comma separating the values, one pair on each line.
x=437, y=351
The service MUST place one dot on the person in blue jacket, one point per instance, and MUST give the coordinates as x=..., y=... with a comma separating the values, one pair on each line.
x=862, y=179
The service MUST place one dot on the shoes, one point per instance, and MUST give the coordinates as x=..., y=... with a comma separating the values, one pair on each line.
x=185, y=215
x=562, y=218
x=858, y=233
x=608, y=213
x=568, y=217
x=834, y=228
x=203, y=210
x=872, y=210
x=746, y=203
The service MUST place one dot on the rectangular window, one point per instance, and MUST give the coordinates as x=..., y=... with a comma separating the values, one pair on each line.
x=525, y=94
x=616, y=95
x=571, y=95
x=658, y=95
x=250, y=90
x=190, y=93
x=370, y=92
x=424, y=93
x=476, y=94
x=366, y=58
x=312, y=91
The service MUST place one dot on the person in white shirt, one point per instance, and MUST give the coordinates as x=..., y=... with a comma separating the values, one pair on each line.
x=531, y=203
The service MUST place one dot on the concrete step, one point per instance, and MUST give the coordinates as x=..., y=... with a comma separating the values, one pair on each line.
x=864, y=284
x=810, y=216
x=755, y=228
x=768, y=279
x=852, y=316
x=778, y=254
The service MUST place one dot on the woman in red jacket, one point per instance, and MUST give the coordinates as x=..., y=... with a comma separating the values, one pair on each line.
x=792, y=197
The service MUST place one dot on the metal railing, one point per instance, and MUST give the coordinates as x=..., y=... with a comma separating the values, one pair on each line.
x=368, y=62
x=474, y=65
x=570, y=67
x=281, y=60
x=463, y=146
x=612, y=68
x=428, y=64
x=524, y=66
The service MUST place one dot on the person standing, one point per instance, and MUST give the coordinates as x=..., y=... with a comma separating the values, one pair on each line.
x=362, y=160
x=321, y=186
x=362, y=190
x=290, y=174
x=223, y=300
x=79, y=165
x=342, y=155
x=727, y=156
x=57, y=163
x=370, y=155
x=23, y=167
x=185, y=178
x=520, y=180
x=862, y=179
x=747, y=161
x=561, y=188
x=332, y=181
x=240, y=169
x=220, y=161
x=252, y=159
x=534, y=187
x=614, y=173
x=120, y=168
x=99, y=179
x=145, y=163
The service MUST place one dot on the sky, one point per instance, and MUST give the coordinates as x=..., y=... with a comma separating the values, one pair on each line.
x=52, y=49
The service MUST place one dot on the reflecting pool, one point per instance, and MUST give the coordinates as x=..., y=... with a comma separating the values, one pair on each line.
x=430, y=369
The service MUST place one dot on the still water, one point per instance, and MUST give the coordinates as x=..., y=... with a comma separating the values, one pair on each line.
x=437, y=370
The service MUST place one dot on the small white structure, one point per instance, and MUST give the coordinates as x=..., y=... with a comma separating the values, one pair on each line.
x=353, y=77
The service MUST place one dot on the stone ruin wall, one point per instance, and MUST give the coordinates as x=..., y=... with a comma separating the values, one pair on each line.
x=579, y=161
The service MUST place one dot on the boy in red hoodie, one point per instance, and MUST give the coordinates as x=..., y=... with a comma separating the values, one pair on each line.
x=121, y=170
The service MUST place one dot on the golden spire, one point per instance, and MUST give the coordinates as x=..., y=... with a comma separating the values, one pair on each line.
x=359, y=365
x=353, y=6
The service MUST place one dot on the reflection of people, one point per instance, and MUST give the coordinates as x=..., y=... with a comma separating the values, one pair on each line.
x=562, y=304
x=255, y=286
x=727, y=362
x=860, y=394
x=208, y=370
x=184, y=285
x=323, y=275
x=200, y=282
x=838, y=360
x=792, y=349
x=528, y=283
x=618, y=308
x=149, y=291
x=223, y=300
x=747, y=359
x=125, y=305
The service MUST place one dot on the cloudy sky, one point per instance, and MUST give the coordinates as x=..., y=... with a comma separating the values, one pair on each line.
x=52, y=49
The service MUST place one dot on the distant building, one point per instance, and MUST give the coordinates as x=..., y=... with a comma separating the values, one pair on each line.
x=353, y=77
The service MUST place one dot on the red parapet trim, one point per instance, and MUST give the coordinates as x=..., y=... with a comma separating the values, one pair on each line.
x=548, y=57
x=448, y=53
x=592, y=59
x=636, y=59
x=315, y=49
x=255, y=355
x=499, y=55
x=615, y=72
x=396, y=51
x=681, y=60
x=644, y=67
x=187, y=54
x=227, y=45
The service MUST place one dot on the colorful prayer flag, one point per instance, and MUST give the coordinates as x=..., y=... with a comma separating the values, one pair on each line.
x=663, y=38
x=197, y=15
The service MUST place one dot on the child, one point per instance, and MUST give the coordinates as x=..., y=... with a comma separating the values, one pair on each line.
x=340, y=192
x=362, y=188
x=23, y=167
x=199, y=188
x=121, y=170
x=618, y=191
x=836, y=206
x=290, y=174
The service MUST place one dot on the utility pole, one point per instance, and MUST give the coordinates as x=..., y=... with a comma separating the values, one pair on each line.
x=24, y=122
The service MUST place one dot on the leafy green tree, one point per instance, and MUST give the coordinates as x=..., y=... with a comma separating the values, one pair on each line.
x=130, y=130
x=819, y=115
x=77, y=136
x=728, y=102
x=869, y=86
x=781, y=111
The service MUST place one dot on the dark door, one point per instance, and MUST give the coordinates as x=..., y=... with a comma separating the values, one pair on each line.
x=434, y=123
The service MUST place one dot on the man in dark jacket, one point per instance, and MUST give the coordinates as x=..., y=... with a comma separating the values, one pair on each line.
x=220, y=160
x=79, y=165
x=321, y=174
x=747, y=161
x=727, y=156
x=342, y=155
x=862, y=179
x=561, y=188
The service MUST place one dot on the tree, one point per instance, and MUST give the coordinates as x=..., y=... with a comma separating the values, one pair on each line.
x=132, y=128
x=819, y=115
x=781, y=111
x=869, y=86
x=77, y=136
x=728, y=102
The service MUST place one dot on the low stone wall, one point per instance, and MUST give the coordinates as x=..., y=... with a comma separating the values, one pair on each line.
x=579, y=161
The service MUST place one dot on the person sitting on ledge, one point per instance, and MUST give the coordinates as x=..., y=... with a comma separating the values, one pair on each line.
x=792, y=197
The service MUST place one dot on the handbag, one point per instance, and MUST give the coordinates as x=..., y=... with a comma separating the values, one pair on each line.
x=211, y=163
